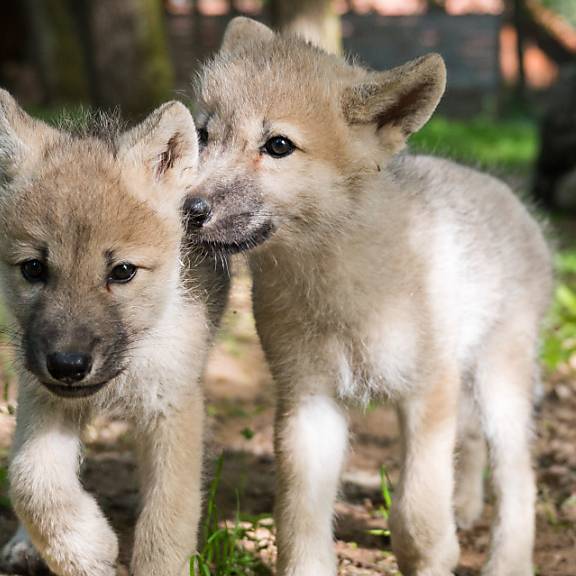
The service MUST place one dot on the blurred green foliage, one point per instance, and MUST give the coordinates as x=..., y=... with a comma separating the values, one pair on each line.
x=559, y=344
x=484, y=142
x=53, y=114
x=157, y=79
x=61, y=58
x=566, y=9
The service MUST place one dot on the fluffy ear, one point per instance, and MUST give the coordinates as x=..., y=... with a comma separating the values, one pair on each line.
x=22, y=138
x=242, y=31
x=397, y=102
x=164, y=147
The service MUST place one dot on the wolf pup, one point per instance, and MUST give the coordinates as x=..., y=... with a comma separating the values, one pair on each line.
x=110, y=314
x=378, y=275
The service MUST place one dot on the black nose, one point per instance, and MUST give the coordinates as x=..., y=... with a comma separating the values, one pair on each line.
x=197, y=212
x=68, y=366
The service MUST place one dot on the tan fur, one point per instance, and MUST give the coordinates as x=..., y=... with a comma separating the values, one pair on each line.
x=378, y=275
x=81, y=204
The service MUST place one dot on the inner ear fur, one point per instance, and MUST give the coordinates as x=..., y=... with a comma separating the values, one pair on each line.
x=22, y=137
x=165, y=144
x=243, y=31
x=403, y=98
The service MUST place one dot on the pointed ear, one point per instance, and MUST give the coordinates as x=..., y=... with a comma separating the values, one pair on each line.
x=163, y=148
x=22, y=138
x=243, y=31
x=397, y=102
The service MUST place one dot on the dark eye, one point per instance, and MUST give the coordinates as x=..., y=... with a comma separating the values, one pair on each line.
x=34, y=271
x=202, y=136
x=279, y=146
x=122, y=273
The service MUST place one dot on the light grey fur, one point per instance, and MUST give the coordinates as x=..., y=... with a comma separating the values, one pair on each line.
x=73, y=201
x=386, y=275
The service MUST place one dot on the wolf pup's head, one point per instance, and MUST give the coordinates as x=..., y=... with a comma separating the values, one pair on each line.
x=288, y=134
x=90, y=236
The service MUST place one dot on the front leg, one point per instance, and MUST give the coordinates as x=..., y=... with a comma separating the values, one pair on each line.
x=63, y=521
x=422, y=519
x=170, y=450
x=311, y=440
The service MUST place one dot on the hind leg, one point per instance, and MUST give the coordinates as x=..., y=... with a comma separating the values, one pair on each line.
x=422, y=518
x=470, y=464
x=504, y=392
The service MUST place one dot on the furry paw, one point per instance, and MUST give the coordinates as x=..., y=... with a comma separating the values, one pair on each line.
x=20, y=557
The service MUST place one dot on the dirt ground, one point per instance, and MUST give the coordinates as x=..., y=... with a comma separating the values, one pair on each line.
x=240, y=403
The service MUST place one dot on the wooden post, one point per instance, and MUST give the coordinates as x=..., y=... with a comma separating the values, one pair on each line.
x=315, y=20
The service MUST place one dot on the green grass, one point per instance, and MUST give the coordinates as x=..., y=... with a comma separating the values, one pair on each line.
x=501, y=144
x=384, y=509
x=221, y=553
x=559, y=344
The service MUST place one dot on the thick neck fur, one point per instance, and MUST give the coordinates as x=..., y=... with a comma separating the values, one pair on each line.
x=329, y=265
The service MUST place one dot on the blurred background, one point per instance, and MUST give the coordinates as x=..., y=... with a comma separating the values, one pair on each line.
x=511, y=63
x=510, y=108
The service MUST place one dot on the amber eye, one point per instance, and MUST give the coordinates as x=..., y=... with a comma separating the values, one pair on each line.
x=279, y=147
x=202, y=136
x=122, y=273
x=34, y=271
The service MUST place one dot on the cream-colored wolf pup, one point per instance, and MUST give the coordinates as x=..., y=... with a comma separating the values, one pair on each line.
x=110, y=315
x=379, y=275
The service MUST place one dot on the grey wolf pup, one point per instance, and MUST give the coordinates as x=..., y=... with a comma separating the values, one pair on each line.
x=110, y=314
x=376, y=274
